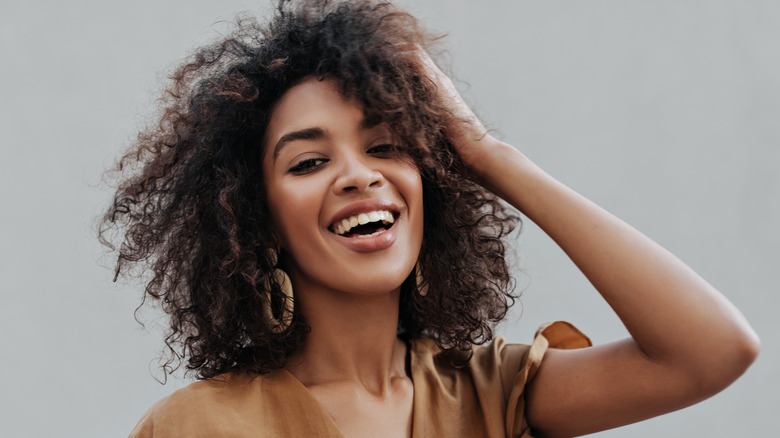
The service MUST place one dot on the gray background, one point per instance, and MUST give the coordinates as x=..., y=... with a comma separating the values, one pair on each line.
x=664, y=112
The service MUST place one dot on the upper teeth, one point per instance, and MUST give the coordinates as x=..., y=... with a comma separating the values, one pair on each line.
x=343, y=226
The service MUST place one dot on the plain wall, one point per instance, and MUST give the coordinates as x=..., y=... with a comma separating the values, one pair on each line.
x=664, y=112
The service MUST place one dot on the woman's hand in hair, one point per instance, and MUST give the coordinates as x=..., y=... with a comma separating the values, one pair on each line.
x=465, y=131
x=687, y=340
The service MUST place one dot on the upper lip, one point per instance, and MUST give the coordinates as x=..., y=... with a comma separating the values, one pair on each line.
x=364, y=207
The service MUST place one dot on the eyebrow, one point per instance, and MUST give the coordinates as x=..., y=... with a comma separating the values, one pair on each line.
x=314, y=134
x=303, y=134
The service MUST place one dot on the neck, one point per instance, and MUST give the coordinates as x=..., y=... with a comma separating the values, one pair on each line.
x=353, y=338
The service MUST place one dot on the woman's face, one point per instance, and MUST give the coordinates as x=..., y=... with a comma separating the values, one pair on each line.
x=346, y=208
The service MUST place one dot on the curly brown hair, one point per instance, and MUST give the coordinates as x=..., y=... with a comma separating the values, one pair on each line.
x=192, y=211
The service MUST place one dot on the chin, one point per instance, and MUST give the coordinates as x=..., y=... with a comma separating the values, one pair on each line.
x=377, y=284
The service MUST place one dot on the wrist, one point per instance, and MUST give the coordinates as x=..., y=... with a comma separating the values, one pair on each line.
x=488, y=155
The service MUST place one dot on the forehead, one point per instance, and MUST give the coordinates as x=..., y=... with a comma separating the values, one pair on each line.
x=309, y=103
x=315, y=108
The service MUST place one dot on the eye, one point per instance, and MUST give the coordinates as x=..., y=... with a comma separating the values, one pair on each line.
x=382, y=149
x=306, y=166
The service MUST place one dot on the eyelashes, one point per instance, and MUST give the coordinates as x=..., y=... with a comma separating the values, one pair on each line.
x=385, y=150
x=306, y=166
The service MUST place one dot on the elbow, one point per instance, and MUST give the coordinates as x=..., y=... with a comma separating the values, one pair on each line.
x=748, y=349
x=745, y=349
x=735, y=359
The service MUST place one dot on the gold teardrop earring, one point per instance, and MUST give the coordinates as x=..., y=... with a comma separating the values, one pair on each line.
x=279, y=278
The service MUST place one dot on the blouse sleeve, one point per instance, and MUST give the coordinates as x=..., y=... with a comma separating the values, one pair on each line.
x=557, y=334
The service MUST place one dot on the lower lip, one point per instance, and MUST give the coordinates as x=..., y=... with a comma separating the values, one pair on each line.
x=369, y=244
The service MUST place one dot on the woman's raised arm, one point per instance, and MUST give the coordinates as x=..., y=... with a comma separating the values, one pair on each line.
x=687, y=340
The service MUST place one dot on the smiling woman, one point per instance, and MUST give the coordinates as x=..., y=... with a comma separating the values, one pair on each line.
x=319, y=211
x=198, y=212
x=317, y=186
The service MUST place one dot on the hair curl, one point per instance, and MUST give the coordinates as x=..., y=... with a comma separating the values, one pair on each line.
x=193, y=213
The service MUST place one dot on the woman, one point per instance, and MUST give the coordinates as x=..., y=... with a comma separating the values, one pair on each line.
x=316, y=208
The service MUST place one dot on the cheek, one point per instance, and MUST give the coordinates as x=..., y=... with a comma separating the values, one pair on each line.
x=411, y=188
x=291, y=207
x=292, y=210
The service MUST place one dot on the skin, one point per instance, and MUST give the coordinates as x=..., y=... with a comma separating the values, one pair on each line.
x=352, y=362
x=687, y=341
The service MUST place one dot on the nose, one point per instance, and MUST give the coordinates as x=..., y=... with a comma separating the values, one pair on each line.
x=357, y=175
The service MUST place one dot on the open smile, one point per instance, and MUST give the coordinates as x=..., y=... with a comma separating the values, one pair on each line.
x=364, y=225
x=367, y=225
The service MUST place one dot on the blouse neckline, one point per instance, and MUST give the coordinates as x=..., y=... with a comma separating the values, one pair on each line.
x=313, y=405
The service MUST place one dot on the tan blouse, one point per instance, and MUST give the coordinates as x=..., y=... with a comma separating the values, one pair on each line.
x=483, y=399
